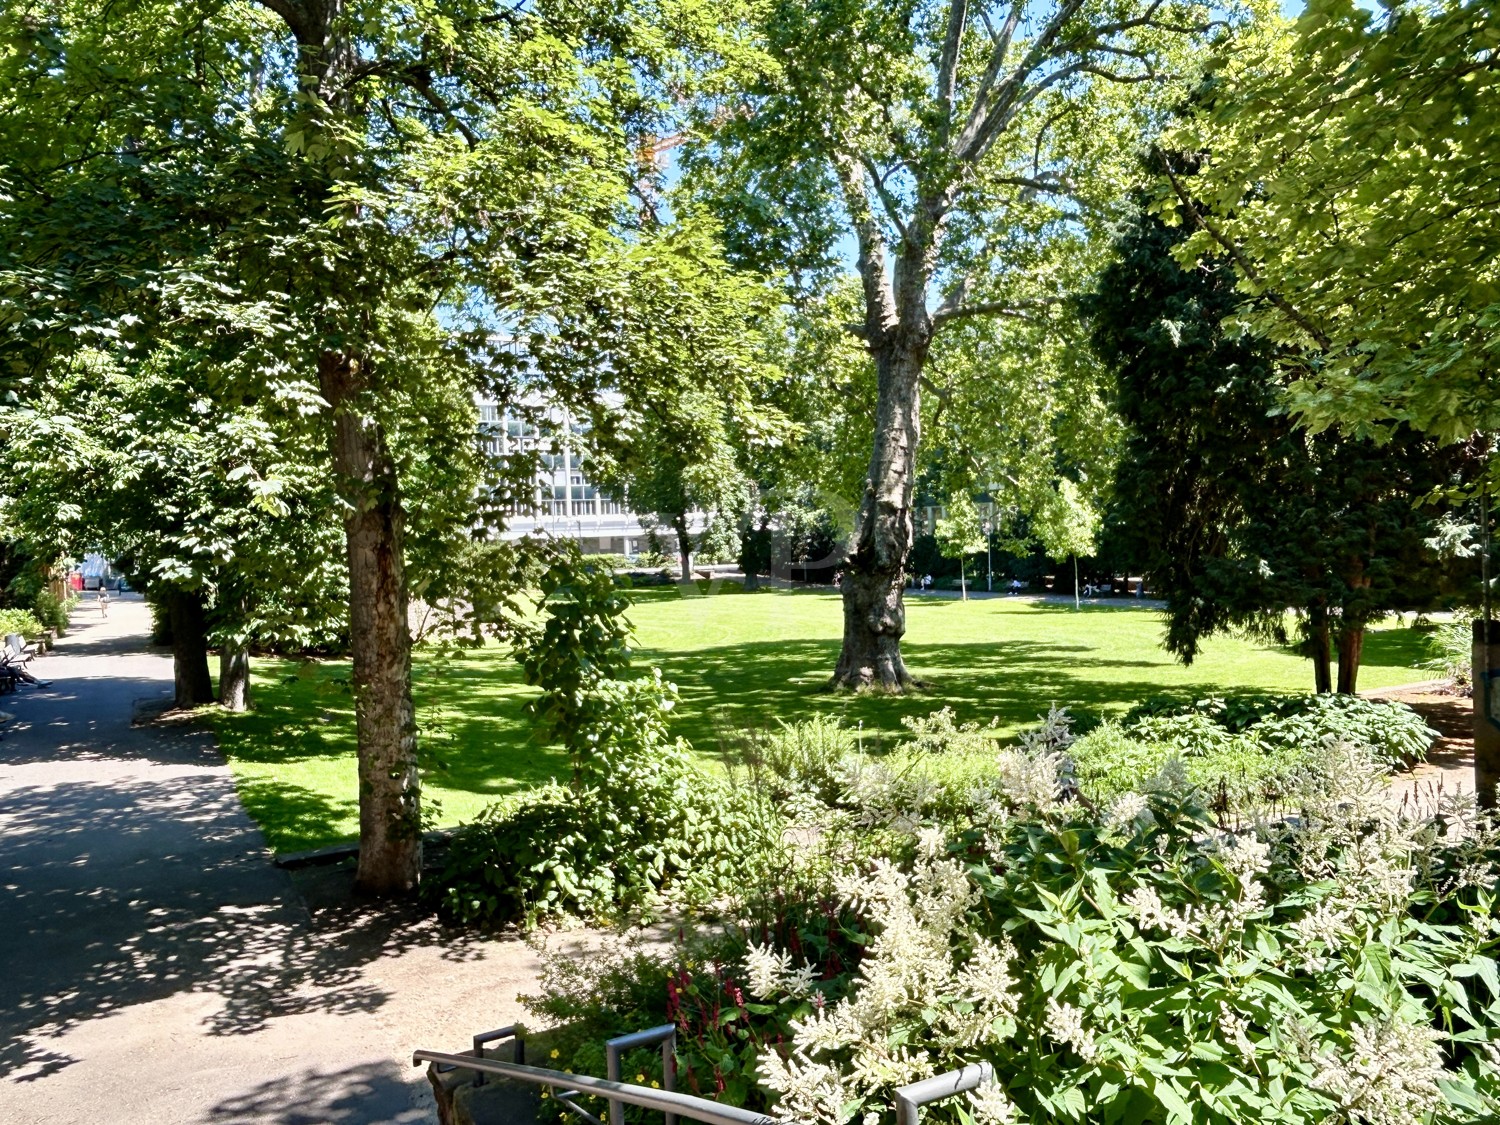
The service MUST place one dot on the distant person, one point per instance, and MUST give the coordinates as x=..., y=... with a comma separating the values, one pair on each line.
x=103, y=601
x=926, y=583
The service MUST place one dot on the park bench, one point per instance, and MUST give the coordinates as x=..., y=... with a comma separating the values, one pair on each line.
x=17, y=650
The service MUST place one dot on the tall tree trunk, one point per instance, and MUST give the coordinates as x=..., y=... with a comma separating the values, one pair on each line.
x=1317, y=648
x=366, y=476
x=192, y=683
x=390, y=837
x=234, y=677
x=1351, y=647
x=874, y=615
x=684, y=545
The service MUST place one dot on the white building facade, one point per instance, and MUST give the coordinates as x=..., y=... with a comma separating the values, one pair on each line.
x=567, y=504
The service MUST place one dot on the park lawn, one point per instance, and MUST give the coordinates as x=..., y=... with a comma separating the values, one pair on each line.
x=740, y=660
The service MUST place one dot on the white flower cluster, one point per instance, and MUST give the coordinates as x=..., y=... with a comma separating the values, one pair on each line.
x=988, y=1105
x=1243, y=856
x=882, y=797
x=1351, y=836
x=1389, y=1075
x=1064, y=1023
x=1055, y=733
x=770, y=974
x=850, y=1050
x=1127, y=812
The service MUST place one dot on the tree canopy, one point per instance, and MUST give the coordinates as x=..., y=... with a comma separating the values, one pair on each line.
x=1346, y=165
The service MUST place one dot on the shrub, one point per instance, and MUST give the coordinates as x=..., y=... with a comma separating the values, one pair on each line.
x=19, y=621
x=53, y=611
x=1130, y=964
x=1139, y=965
x=637, y=822
x=1393, y=731
x=1452, y=644
x=607, y=562
x=800, y=757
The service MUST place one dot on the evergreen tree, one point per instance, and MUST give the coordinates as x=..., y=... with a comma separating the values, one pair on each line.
x=1233, y=513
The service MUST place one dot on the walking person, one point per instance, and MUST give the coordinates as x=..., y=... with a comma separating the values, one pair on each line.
x=103, y=601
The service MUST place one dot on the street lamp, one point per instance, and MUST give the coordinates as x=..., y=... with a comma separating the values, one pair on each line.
x=989, y=531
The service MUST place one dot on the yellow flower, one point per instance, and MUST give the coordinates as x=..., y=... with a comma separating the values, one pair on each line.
x=555, y=1052
x=544, y=1095
x=640, y=1078
x=655, y=1085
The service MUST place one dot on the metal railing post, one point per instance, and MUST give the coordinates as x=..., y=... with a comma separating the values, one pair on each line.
x=909, y=1099
x=686, y=1106
x=666, y=1035
x=510, y=1031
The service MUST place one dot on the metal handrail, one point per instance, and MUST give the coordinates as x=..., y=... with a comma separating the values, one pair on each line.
x=509, y=1031
x=911, y=1099
x=667, y=1101
x=666, y=1035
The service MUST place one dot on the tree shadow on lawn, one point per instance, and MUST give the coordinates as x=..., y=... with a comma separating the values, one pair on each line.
x=755, y=684
x=1397, y=647
x=306, y=714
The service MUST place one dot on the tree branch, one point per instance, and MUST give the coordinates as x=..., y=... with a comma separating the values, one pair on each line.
x=880, y=301
x=1001, y=48
x=1246, y=266
x=888, y=202
x=1013, y=310
x=984, y=123
x=294, y=15
x=958, y=18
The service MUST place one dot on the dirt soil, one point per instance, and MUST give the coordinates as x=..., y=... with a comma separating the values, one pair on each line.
x=1449, y=767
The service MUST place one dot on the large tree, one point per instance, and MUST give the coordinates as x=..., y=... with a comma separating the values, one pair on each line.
x=960, y=145
x=345, y=198
x=683, y=367
x=1234, y=513
x=223, y=518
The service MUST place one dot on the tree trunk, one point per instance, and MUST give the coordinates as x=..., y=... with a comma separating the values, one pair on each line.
x=684, y=546
x=192, y=683
x=1317, y=645
x=234, y=677
x=1351, y=646
x=390, y=837
x=963, y=580
x=752, y=580
x=874, y=615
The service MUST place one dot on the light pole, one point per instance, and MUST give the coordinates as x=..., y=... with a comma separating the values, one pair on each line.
x=989, y=562
x=989, y=568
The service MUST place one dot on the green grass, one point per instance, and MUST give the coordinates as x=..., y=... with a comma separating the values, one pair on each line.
x=741, y=660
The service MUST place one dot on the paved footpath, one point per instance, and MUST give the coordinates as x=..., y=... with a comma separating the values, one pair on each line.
x=154, y=965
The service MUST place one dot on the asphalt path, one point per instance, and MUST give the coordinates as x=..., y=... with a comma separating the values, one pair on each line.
x=154, y=965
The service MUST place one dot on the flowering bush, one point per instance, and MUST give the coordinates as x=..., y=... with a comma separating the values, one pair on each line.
x=1141, y=965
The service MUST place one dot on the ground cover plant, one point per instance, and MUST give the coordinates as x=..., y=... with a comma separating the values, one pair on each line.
x=738, y=661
